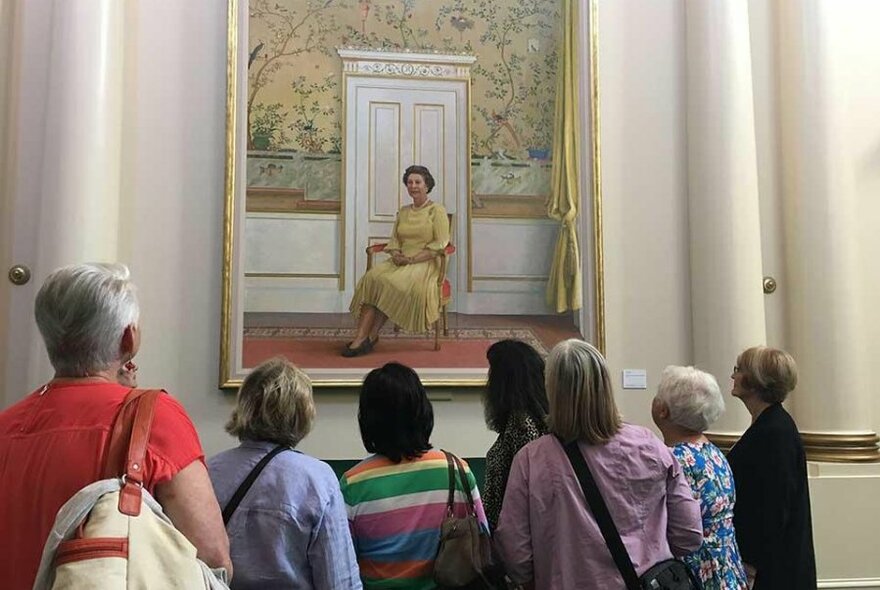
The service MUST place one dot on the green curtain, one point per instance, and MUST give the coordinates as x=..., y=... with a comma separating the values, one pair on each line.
x=564, y=286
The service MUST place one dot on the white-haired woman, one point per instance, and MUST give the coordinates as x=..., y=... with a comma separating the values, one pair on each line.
x=54, y=441
x=290, y=529
x=688, y=401
x=547, y=535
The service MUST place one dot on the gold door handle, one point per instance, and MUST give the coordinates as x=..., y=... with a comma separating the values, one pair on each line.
x=19, y=274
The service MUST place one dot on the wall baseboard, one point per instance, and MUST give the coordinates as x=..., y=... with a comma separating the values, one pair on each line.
x=841, y=583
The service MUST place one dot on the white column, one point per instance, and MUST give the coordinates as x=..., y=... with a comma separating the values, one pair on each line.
x=83, y=133
x=725, y=238
x=61, y=179
x=827, y=330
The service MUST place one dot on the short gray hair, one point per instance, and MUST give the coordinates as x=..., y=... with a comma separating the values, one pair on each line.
x=82, y=311
x=692, y=396
x=275, y=404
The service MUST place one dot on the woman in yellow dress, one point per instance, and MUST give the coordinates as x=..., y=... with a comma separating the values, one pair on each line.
x=403, y=287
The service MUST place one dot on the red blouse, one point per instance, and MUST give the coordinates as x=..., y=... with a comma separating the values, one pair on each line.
x=52, y=444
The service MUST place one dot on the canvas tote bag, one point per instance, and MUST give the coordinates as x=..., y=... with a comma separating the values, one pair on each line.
x=112, y=534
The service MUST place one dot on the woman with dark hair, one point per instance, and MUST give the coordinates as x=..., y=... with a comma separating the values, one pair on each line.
x=516, y=408
x=404, y=287
x=397, y=496
x=772, y=514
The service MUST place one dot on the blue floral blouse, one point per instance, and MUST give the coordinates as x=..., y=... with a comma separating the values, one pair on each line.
x=717, y=563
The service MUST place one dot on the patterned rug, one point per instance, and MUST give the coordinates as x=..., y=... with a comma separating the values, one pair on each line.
x=388, y=334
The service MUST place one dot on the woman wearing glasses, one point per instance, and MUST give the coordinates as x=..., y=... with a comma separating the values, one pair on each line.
x=772, y=513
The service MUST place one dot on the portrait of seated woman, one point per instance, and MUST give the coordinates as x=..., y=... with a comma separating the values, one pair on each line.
x=403, y=287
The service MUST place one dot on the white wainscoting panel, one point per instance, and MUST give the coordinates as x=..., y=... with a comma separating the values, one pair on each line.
x=291, y=244
x=300, y=255
x=511, y=261
x=294, y=295
x=513, y=248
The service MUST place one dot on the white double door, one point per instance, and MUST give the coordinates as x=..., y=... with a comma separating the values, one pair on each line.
x=391, y=124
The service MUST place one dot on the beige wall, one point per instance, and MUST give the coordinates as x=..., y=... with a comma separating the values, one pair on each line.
x=647, y=299
x=171, y=235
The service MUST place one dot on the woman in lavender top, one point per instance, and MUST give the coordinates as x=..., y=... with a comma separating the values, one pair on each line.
x=290, y=530
x=547, y=536
x=688, y=401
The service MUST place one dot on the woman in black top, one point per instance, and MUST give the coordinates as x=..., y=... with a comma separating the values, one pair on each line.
x=516, y=408
x=772, y=513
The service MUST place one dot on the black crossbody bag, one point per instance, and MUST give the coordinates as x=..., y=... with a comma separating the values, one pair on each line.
x=669, y=574
x=245, y=486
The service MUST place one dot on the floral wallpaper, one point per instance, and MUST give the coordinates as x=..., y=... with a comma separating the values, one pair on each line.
x=294, y=93
x=294, y=98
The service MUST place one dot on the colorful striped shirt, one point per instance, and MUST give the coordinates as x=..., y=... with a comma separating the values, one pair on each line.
x=395, y=511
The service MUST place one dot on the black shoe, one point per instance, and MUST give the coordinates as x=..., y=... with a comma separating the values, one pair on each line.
x=365, y=347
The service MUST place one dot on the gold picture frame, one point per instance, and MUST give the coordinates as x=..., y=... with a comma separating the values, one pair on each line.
x=231, y=369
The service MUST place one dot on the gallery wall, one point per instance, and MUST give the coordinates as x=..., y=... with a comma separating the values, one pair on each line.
x=170, y=220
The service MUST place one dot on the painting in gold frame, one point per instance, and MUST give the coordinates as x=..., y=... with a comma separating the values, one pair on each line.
x=252, y=207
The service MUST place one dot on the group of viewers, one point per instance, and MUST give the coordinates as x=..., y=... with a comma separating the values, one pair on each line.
x=738, y=522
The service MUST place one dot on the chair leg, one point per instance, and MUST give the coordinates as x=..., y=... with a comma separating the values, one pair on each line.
x=445, y=323
x=437, y=334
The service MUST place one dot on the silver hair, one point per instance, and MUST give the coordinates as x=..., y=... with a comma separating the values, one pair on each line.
x=82, y=311
x=692, y=396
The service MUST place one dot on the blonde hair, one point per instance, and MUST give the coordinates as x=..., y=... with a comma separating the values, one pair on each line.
x=274, y=404
x=582, y=405
x=770, y=373
x=692, y=397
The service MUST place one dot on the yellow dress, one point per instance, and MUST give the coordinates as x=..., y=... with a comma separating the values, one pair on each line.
x=408, y=294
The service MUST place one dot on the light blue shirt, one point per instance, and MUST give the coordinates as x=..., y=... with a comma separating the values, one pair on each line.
x=291, y=529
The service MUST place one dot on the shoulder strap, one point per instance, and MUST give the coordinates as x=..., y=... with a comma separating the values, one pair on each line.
x=242, y=490
x=454, y=464
x=127, y=448
x=450, y=501
x=603, y=517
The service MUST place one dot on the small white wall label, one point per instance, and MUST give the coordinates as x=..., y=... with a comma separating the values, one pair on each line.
x=635, y=379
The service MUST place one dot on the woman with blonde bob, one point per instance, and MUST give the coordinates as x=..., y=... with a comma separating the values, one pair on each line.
x=688, y=401
x=547, y=535
x=772, y=516
x=290, y=529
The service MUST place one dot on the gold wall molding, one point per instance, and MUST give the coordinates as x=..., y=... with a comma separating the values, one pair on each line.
x=290, y=275
x=595, y=132
x=534, y=278
x=841, y=448
x=823, y=447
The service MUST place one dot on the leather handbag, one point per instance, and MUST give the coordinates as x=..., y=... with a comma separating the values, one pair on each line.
x=669, y=574
x=464, y=551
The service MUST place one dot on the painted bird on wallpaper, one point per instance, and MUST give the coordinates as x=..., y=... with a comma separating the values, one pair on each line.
x=461, y=23
x=254, y=53
x=503, y=122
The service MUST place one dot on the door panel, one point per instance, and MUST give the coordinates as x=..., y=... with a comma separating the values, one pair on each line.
x=392, y=124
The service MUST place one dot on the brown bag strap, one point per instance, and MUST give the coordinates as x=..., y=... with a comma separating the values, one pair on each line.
x=454, y=462
x=127, y=449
